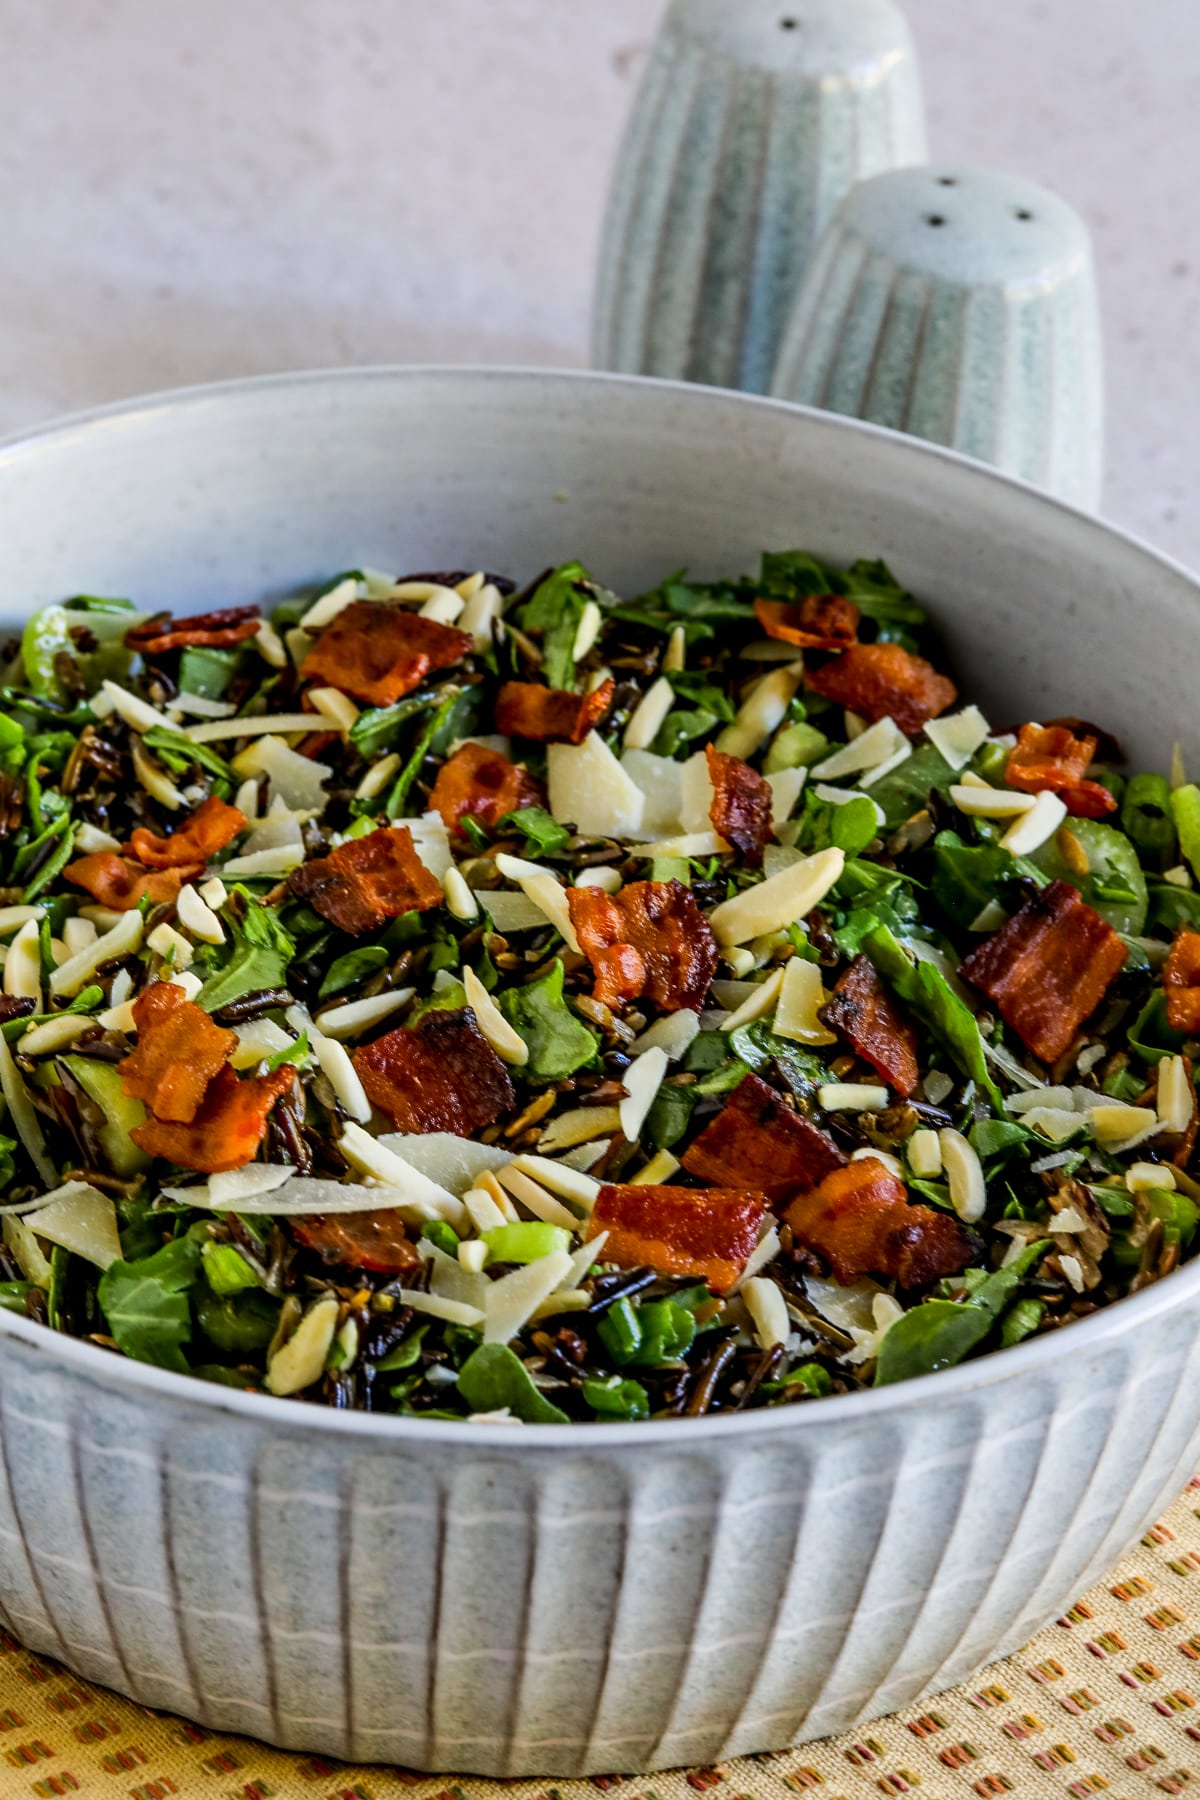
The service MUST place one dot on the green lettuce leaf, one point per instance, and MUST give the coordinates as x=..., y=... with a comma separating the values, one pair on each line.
x=146, y=1303
x=558, y=1042
x=494, y=1377
x=927, y=991
x=939, y=1333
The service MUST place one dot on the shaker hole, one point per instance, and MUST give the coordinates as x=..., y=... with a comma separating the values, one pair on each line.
x=788, y=24
x=1022, y=212
x=934, y=219
x=947, y=181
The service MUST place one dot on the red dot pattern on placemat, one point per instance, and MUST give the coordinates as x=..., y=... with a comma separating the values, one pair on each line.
x=1104, y=1702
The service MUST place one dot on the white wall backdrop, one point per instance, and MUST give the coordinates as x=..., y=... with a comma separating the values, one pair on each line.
x=192, y=191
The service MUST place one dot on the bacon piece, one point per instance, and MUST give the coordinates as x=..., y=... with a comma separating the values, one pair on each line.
x=380, y=653
x=860, y=1221
x=880, y=680
x=366, y=1240
x=120, y=885
x=228, y=1126
x=484, y=784
x=218, y=630
x=210, y=828
x=367, y=880
x=179, y=1051
x=1048, y=968
x=675, y=952
x=819, y=622
x=741, y=806
x=1050, y=758
x=864, y=1013
x=758, y=1142
x=680, y=1231
x=438, y=1075
x=550, y=715
x=1181, y=982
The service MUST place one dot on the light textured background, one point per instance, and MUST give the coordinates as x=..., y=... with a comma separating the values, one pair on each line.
x=189, y=192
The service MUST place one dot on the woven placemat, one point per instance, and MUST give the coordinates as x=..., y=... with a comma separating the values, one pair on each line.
x=1105, y=1701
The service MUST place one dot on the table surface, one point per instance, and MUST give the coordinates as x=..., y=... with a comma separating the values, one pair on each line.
x=189, y=193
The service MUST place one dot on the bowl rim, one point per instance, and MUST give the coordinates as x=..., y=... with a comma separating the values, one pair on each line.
x=91, y=1362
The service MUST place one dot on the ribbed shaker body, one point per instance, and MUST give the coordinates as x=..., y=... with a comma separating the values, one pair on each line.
x=752, y=122
x=958, y=305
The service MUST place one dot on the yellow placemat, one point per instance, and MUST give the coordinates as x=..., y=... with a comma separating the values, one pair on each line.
x=1105, y=1701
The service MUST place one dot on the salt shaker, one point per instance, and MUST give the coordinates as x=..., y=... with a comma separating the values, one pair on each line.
x=753, y=120
x=959, y=305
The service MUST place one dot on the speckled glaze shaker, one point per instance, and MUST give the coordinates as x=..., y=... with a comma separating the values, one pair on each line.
x=754, y=119
x=958, y=305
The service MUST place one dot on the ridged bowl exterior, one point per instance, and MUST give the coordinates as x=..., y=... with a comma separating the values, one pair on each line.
x=751, y=123
x=961, y=306
x=550, y=1600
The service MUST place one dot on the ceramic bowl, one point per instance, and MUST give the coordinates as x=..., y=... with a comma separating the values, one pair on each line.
x=560, y=1600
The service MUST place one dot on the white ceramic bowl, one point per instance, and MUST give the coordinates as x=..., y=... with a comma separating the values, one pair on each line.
x=555, y=1600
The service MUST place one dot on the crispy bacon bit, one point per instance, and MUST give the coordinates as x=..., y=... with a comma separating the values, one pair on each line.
x=550, y=715
x=860, y=1221
x=1181, y=982
x=758, y=1142
x=484, y=784
x=820, y=622
x=227, y=1128
x=1050, y=758
x=878, y=680
x=864, y=1013
x=680, y=1231
x=380, y=653
x=210, y=828
x=120, y=885
x=218, y=630
x=741, y=806
x=179, y=1051
x=366, y=1240
x=1048, y=968
x=675, y=953
x=438, y=1075
x=367, y=881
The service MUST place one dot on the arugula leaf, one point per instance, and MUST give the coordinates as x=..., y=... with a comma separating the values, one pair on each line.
x=680, y=729
x=146, y=1303
x=558, y=1042
x=907, y=789
x=1172, y=907
x=1185, y=811
x=540, y=829
x=966, y=877
x=1114, y=886
x=377, y=728
x=927, y=991
x=398, y=798
x=180, y=753
x=494, y=1377
x=758, y=1047
x=263, y=950
x=669, y=1116
x=59, y=857
x=798, y=744
x=554, y=609
x=355, y=966
x=1150, y=1037
x=995, y=1137
x=939, y=1333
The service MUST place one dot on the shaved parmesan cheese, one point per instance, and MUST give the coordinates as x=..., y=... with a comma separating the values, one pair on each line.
x=353, y=1016
x=761, y=714
x=535, y=1199
x=301, y=1360
x=763, y=1000
x=136, y=713
x=801, y=994
x=579, y=1127
x=87, y=839
x=1053, y=1122
x=83, y=1222
x=484, y=1213
x=23, y=966
x=850, y=1308
x=513, y=912
x=885, y=768
x=443, y=607
x=765, y=1251
x=512, y=1299
x=508, y=1043
x=641, y=1080
x=1176, y=1095
x=659, y=1169
x=1036, y=827
x=1142, y=1177
x=1018, y=1104
x=22, y=1113
x=171, y=945
x=197, y=917
x=587, y=784
x=692, y=843
x=786, y=786
x=543, y=888
x=768, y=1311
x=335, y=706
x=964, y=1173
x=432, y=843
x=674, y=1033
x=297, y=781
x=852, y=1096
x=1119, y=1127
x=876, y=745
x=648, y=715
x=957, y=736
x=695, y=793
x=660, y=779
x=453, y=1162
x=984, y=802
x=265, y=724
x=372, y=1158
x=55, y=1034
x=560, y=1179
x=779, y=901
x=77, y=971
x=234, y=1185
